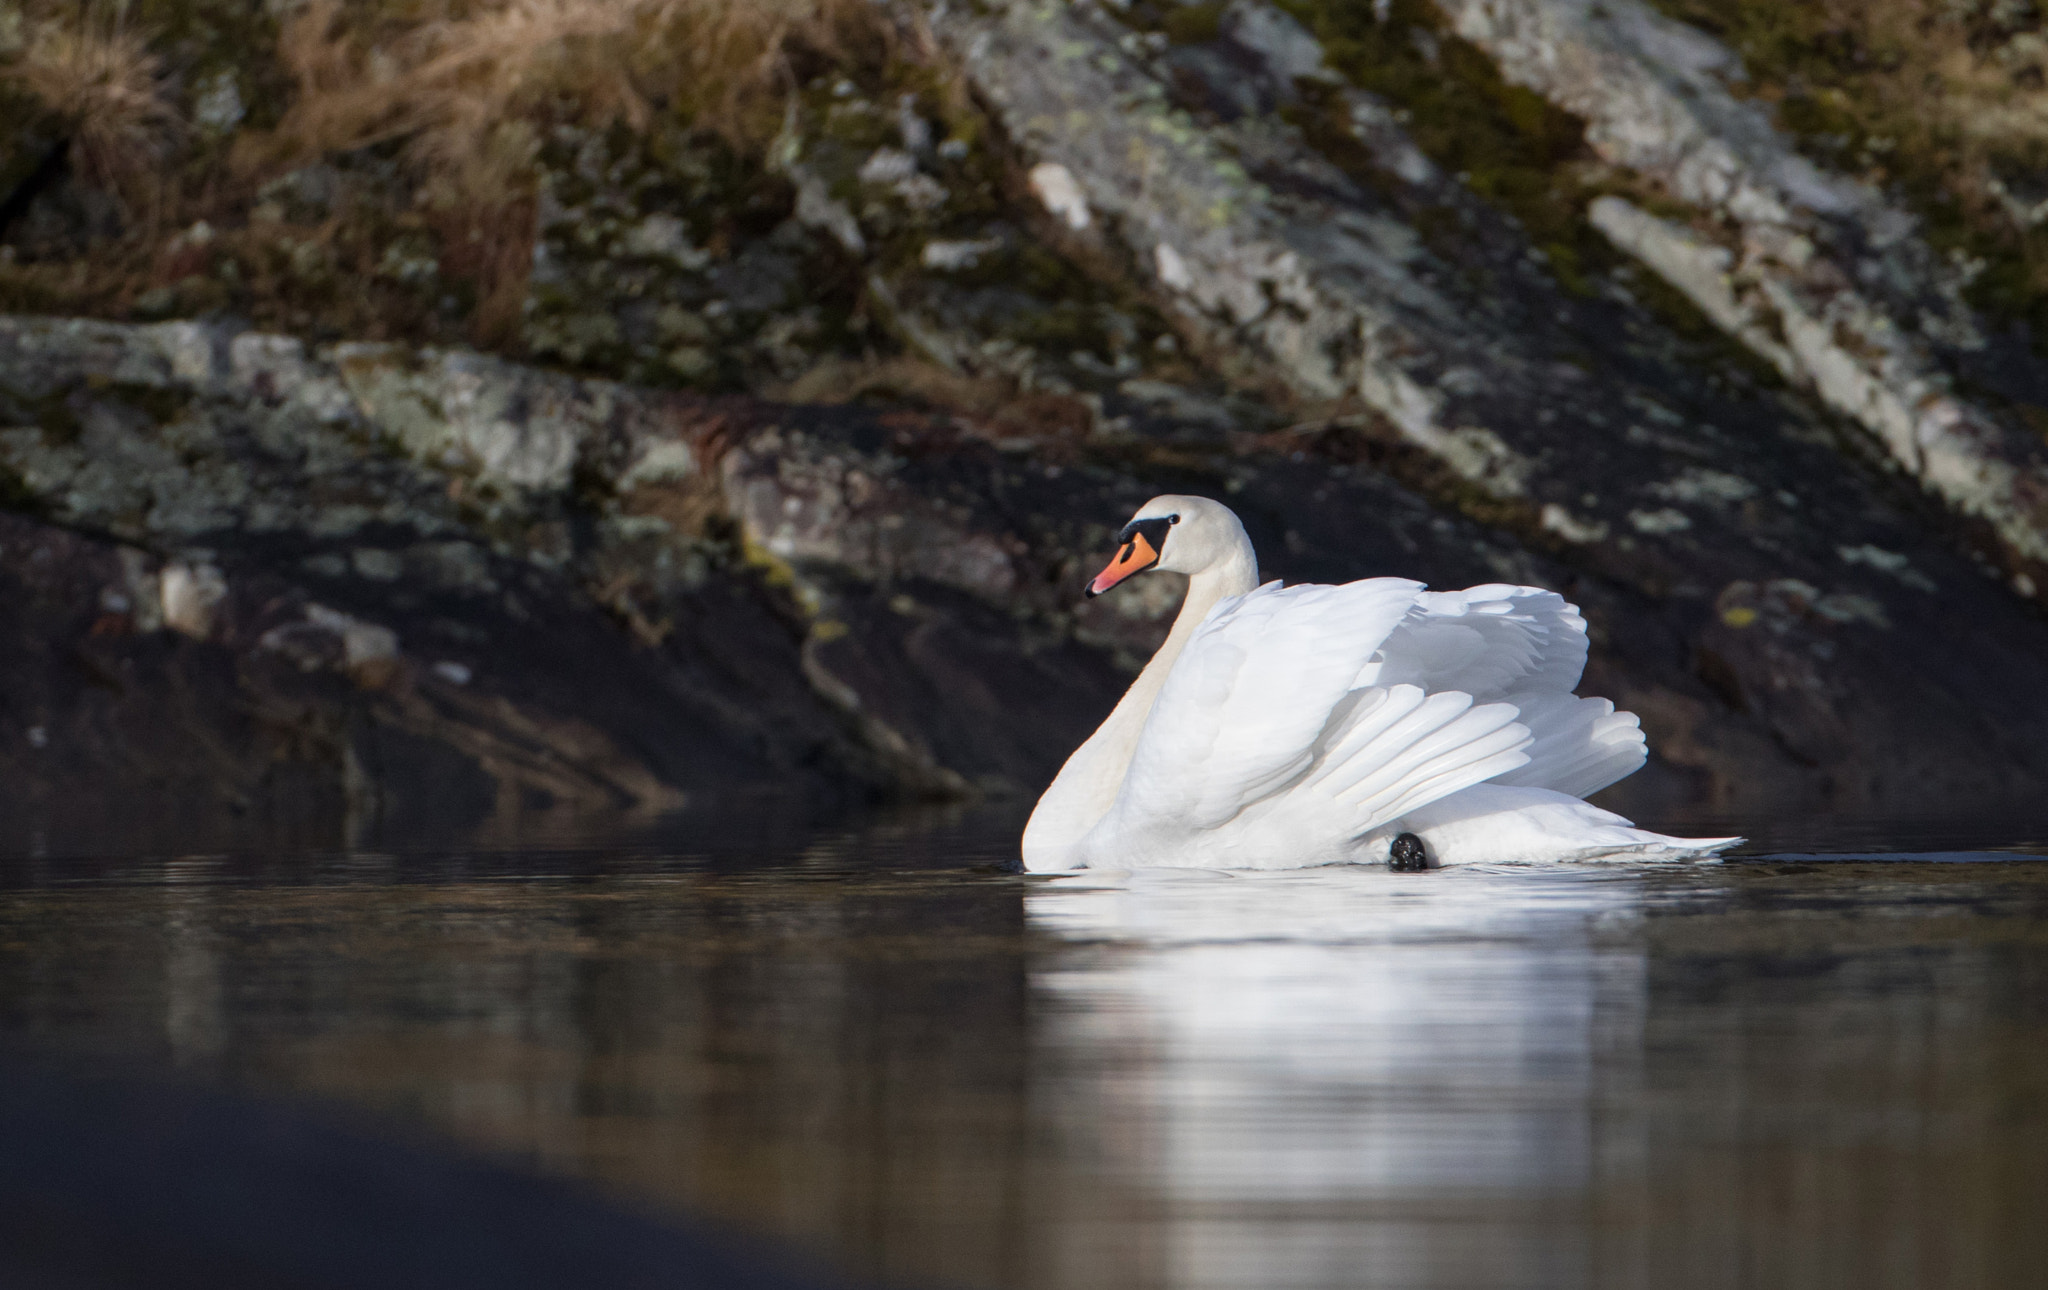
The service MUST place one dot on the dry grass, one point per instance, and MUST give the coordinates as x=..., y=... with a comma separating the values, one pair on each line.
x=468, y=95
x=447, y=83
x=99, y=81
x=1947, y=70
x=988, y=407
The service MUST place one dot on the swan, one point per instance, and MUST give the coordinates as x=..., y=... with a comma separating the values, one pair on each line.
x=1375, y=722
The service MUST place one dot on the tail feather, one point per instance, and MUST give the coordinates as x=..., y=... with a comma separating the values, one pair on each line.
x=1494, y=822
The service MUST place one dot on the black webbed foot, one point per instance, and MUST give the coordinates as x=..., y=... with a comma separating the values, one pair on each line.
x=1407, y=855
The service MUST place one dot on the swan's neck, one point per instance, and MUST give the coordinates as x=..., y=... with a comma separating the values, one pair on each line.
x=1205, y=589
x=1087, y=785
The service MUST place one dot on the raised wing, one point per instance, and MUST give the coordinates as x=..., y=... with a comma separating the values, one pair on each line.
x=1250, y=700
x=1491, y=642
x=1581, y=745
x=1399, y=748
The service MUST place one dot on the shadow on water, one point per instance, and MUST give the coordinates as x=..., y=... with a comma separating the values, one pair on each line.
x=1817, y=1065
x=115, y=1184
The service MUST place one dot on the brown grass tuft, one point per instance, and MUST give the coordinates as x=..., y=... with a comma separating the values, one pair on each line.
x=988, y=407
x=100, y=83
x=470, y=95
x=444, y=83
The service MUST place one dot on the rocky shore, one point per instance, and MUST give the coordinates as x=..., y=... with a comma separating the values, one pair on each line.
x=786, y=485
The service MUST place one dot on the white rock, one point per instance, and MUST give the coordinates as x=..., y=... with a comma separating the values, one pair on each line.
x=1173, y=271
x=951, y=257
x=664, y=461
x=664, y=237
x=1702, y=485
x=1696, y=267
x=512, y=426
x=1663, y=520
x=376, y=563
x=191, y=595
x=888, y=166
x=1894, y=563
x=361, y=642
x=1056, y=187
x=217, y=103
x=1558, y=520
x=1281, y=43
x=817, y=208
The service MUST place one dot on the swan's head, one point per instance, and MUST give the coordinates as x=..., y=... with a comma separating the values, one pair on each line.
x=1177, y=533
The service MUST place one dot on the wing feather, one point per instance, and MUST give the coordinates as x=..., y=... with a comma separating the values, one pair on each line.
x=1581, y=745
x=1475, y=763
x=1489, y=641
x=1253, y=693
x=1440, y=734
x=1375, y=698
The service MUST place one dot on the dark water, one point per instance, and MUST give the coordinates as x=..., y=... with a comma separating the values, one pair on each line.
x=1823, y=1067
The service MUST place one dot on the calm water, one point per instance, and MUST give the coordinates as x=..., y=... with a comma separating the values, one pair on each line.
x=1781, y=1071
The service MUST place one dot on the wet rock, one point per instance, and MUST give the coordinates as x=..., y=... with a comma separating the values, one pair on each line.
x=326, y=718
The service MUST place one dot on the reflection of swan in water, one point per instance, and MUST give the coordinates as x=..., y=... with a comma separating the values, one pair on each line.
x=1316, y=1073
x=1310, y=725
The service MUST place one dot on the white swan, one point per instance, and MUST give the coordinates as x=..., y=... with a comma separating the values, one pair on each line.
x=1281, y=727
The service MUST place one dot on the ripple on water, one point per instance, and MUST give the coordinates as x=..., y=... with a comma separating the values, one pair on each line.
x=1810, y=1066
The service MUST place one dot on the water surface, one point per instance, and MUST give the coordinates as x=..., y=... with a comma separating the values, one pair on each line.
x=1823, y=1066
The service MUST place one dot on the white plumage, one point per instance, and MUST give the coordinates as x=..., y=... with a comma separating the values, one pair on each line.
x=1279, y=727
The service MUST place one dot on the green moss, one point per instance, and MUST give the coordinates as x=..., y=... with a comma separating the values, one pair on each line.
x=160, y=404
x=1195, y=24
x=1509, y=145
x=856, y=124
x=1714, y=351
x=49, y=413
x=17, y=496
x=772, y=569
x=28, y=289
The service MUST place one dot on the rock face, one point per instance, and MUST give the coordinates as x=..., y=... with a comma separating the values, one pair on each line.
x=367, y=594
x=358, y=593
x=923, y=360
x=1816, y=273
x=1586, y=419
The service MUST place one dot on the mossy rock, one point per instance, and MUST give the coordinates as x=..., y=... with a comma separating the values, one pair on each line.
x=1864, y=90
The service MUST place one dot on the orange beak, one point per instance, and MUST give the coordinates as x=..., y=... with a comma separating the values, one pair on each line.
x=1137, y=556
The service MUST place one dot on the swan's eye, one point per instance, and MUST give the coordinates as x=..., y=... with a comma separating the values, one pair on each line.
x=1173, y=519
